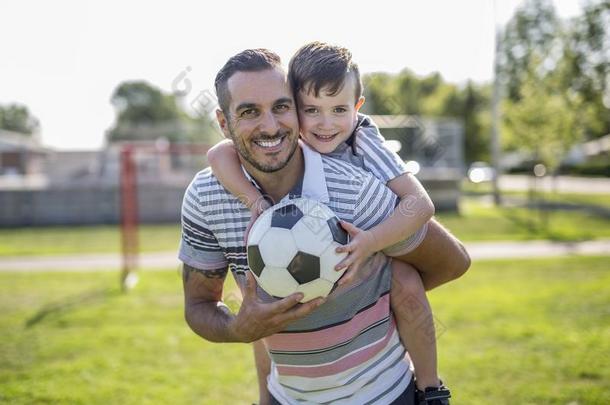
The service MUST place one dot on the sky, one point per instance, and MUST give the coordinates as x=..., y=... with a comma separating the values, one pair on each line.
x=63, y=59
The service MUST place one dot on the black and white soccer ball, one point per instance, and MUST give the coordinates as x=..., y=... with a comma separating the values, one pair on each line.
x=291, y=248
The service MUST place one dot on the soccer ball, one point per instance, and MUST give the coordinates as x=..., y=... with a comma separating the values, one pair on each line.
x=291, y=248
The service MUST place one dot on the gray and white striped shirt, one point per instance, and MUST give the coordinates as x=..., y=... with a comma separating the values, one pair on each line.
x=347, y=351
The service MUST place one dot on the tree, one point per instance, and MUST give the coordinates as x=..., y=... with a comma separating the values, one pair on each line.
x=406, y=93
x=585, y=65
x=477, y=121
x=17, y=118
x=572, y=56
x=144, y=112
x=544, y=123
x=533, y=33
x=380, y=94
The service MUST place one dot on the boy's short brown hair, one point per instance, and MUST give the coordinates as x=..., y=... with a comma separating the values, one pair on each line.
x=318, y=65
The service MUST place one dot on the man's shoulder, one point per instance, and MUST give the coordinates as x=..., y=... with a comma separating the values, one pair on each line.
x=205, y=181
x=206, y=189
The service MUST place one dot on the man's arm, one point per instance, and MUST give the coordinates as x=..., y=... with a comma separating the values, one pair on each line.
x=440, y=257
x=204, y=310
x=211, y=319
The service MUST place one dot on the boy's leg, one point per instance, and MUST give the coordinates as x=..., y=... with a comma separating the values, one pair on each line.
x=415, y=322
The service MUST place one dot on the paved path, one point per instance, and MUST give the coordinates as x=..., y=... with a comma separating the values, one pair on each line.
x=168, y=260
x=536, y=248
x=109, y=262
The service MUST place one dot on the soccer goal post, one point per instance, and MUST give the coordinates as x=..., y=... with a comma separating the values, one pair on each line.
x=156, y=164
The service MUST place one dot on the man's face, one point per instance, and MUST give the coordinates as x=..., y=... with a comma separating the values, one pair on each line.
x=262, y=121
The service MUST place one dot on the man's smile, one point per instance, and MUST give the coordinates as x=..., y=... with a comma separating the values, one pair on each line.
x=270, y=145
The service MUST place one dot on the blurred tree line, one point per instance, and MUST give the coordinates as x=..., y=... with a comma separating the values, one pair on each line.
x=145, y=112
x=407, y=93
x=555, y=81
x=17, y=118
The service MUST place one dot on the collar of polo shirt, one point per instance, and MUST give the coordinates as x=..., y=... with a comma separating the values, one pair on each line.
x=313, y=185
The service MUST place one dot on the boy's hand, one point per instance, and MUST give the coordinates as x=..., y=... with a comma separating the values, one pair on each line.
x=256, y=209
x=360, y=248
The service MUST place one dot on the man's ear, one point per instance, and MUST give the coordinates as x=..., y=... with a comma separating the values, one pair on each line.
x=360, y=103
x=223, y=123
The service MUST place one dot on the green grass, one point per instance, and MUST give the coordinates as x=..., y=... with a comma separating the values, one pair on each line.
x=75, y=339
x=527, y=332
x=83, y=239
x=483, y=222
x=512, y=332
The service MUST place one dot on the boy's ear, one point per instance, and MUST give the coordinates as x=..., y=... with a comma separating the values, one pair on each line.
x=222, y=122
x=359, y=103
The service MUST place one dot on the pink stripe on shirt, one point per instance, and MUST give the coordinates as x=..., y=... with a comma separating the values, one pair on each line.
x=351, y=360
x=330, y=336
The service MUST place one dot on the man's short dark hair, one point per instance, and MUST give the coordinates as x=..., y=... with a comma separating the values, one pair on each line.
x=250, y=60
x=318, y=65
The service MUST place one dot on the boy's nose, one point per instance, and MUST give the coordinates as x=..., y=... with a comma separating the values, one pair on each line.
x=325, y=121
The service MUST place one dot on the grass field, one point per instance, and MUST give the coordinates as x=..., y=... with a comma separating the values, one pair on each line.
x=600, y=200
x=511, y=332
x=476, y=222
x=83, y=239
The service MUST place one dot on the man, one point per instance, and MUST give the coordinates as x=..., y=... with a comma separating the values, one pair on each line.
x=343, y=348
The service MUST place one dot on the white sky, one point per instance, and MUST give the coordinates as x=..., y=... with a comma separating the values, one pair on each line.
x=63, y=59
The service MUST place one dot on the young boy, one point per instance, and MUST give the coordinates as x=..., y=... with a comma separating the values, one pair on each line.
x=328, y=90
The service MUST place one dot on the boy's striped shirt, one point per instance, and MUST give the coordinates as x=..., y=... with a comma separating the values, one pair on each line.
x=366, y=149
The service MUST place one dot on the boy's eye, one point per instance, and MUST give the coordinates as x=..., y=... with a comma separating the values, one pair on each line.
x=339, y=110
x=311, y=110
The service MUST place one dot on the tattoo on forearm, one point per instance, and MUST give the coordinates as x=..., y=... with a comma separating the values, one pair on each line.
x=217, y=273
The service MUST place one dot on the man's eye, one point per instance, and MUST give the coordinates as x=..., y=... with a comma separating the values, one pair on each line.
x=340, y=110
x=250, y=112
x=282, y=108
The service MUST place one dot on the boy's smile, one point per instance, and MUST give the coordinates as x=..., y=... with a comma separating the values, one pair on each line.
x=327, y=121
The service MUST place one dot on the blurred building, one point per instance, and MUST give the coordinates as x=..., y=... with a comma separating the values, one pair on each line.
x=433, y=149
x=581, y=152
x=82, y=187
x=22, y=161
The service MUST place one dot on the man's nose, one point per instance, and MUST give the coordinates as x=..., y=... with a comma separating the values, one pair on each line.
x=269, y=124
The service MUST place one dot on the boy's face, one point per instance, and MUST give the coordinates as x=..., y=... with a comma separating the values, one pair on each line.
x=327, y=121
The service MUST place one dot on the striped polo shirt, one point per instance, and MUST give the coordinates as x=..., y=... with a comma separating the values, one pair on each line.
x=347, y=350
x=366, y=149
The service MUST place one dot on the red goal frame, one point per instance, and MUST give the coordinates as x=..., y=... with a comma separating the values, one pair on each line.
x=128, y=195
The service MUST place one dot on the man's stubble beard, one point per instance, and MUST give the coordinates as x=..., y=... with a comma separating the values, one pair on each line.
x=245, y=154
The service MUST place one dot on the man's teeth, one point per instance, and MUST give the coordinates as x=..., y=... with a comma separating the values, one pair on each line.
x=269, y=144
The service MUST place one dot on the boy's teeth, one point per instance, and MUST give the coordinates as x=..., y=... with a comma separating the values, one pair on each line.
x=269, y=144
